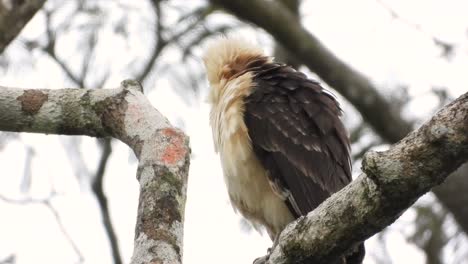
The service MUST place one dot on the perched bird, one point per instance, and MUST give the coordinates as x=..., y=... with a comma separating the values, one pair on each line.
x=282, y=145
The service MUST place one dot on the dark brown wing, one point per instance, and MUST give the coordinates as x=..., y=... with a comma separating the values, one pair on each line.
x=297, y=135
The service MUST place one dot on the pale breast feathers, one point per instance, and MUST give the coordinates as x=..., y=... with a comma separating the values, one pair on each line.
x=246, y=179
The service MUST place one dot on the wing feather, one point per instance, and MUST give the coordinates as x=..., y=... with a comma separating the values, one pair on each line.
x=297, y=134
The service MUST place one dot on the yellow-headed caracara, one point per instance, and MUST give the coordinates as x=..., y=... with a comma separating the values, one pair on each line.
x=282, y=145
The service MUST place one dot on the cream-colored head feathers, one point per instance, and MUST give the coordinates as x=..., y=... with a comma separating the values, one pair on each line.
x=225, y=51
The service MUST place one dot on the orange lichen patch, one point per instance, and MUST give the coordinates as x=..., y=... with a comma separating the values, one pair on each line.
x=170, y=132
x=176, y=150
x=32, y=101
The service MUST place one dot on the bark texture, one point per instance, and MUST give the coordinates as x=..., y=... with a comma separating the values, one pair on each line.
x=125, y=114
x=14, y=15
x=392, y=181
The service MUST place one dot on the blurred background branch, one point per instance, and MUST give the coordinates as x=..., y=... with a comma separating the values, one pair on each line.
x=13, y=17
x=92, y=43
x=47, y=203
x=8, y=260
x=97, y=186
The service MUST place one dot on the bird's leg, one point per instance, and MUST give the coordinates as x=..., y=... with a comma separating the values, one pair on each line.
x=264, y=259
x=261, y=260
x=275, y=243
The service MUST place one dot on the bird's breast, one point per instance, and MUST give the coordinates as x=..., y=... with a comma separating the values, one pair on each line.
x=246, y=180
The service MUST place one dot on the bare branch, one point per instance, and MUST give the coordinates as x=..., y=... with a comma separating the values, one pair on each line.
x=64, y=231
x=13, y=17
x=126, y=114
x=446, y=48
x=391, y=182
x=162, y=42
x=9, y=260
x=429, y=235
x=98, y=190
x=47, y=203
x=455, y=203
x=25, y=184
x=7, y=137
x=50, y=50
x=97, y=184
x=358, y=155
x=381, y=254
x=282, y=54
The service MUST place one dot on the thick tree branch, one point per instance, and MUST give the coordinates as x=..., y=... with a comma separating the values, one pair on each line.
x=391, y=182
x=125, y=114
x=280, y=53
x=13, y=17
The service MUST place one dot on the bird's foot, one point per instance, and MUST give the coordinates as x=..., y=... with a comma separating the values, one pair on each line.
x=262, y=260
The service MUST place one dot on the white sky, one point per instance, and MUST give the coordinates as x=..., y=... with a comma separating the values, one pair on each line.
x=360, y=32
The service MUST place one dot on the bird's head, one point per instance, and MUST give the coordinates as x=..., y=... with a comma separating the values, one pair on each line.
x=226, y=58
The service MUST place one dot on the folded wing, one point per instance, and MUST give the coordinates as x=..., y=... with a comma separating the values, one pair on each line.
x=296, y=133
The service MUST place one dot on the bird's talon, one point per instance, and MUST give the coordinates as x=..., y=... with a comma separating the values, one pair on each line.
x=261, y=260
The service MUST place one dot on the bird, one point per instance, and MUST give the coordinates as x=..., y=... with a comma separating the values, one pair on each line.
x=282, y=145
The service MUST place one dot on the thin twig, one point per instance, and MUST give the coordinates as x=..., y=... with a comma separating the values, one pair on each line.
x=47, y=203
x=447, y=48
x=97, y=184
x=160, y=44
x=50, y=50
x=11, y=259
x=98, y=190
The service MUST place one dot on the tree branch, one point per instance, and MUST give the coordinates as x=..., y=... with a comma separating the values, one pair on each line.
x=126, y=114
x=446, y=47
x=455, y=203
x=11, y=259
x=48, y=204
x=281, y=54
x=13, y=17
x=392, y=181
x=98, y=190
x=50, y=49
x=80, y=80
